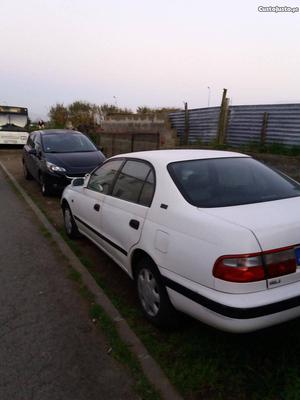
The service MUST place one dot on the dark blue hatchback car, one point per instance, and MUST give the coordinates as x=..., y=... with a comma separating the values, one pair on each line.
x=55, y=156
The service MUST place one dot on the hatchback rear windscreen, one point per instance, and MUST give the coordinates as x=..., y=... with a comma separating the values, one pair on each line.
x=224, y=182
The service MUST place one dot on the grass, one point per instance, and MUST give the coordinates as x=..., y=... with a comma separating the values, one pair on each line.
x=118, y=349
x=205, y=363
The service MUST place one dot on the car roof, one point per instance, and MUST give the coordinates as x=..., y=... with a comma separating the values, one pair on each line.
x=58, y=131
x=168, y=156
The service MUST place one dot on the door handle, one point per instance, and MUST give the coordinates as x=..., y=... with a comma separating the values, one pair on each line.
x=134, y=224
x=97, y=207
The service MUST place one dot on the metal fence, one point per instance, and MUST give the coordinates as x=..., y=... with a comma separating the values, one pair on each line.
x=272, y=123
x=202, y=123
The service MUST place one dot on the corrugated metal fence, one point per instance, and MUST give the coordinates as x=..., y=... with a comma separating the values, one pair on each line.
x=203, y=123
x=274, y=123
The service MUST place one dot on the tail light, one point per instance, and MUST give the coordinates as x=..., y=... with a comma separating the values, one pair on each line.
x=255, y=267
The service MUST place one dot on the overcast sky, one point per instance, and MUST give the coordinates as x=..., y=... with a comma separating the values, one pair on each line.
x=156, y=53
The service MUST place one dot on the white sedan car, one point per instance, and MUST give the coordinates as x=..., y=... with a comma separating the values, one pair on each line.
x=213, y=234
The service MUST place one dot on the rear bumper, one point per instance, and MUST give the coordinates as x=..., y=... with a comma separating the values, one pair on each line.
x=239, y=313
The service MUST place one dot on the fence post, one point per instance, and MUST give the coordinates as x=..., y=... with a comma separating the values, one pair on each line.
x=157, y=140
x=132, y=142
x=113, y=144
x=223, y=118
x=186, y=125
x=264, y=127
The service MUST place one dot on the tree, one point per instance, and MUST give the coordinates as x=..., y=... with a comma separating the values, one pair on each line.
x=149, y=110
x=82, y=113
x=107, y=109
x=144, y=110
x=58, y=115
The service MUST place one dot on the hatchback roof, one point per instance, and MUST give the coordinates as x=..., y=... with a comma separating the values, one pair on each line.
x=58, y=131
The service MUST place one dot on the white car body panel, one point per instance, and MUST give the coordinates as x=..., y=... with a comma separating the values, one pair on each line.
x=274, y=222
x=185, y=241
x=115, y=220
x=82, y=203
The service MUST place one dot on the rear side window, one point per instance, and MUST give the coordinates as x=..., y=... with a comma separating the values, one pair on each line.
x=135, y=183
x=147, y=190
x=224, y=182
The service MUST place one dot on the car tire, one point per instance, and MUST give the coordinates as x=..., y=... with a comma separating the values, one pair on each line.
x=153, y=296
x=26, y=173
x=69, y=223
x=45, y=187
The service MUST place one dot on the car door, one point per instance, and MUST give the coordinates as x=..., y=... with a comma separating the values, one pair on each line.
x=33, y=160
x=28, y=158
x=87, y=202
x=37, y=158
x=125, y=209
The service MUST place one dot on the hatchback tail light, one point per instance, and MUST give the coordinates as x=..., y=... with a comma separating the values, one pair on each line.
x=244, y=268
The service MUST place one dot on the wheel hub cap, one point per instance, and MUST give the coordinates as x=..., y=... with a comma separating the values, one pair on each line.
x=148, y=292
x=68, y=221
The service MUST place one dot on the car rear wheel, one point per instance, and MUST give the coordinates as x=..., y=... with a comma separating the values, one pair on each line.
x=26, y=173
x=152, y=294
x=69, y=222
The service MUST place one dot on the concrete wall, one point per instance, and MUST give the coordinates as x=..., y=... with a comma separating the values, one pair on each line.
x=143, y=124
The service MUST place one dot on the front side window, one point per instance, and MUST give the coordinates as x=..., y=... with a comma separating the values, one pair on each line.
x=30, y=140
x=102, y=178
x=135, y=183
x=37, y=142
x=224, y=182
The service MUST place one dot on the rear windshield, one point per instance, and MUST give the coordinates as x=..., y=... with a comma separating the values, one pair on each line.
x=224, y=182
x=67, y=143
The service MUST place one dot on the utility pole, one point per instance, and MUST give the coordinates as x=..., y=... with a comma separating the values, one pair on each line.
x=223, y=118
x=208, y=96
x=186, y=124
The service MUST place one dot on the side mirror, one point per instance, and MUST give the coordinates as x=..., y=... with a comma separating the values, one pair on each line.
x=32, y=152
x=100, y=188
x=85, y=180
x=78, y=182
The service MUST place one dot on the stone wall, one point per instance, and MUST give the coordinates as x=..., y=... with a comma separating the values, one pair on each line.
x=142, y=124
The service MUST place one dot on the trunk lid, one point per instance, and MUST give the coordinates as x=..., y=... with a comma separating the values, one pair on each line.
x=275, y=224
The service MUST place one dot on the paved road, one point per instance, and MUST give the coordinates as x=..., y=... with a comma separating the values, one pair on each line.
x=48, y=347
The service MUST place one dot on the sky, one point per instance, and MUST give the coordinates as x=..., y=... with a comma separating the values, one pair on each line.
x=158, y=53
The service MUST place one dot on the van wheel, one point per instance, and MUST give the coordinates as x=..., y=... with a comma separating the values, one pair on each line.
x=69, y=223
x=153, y=296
